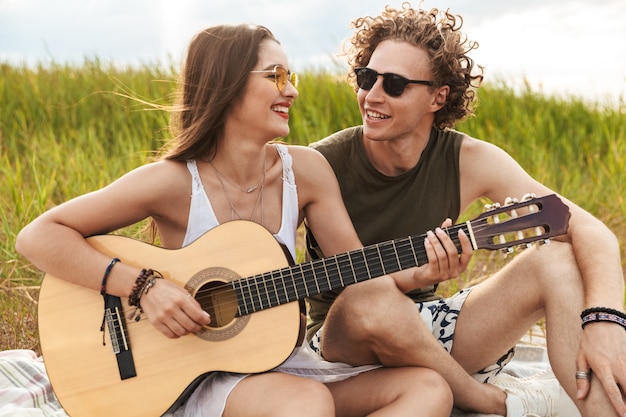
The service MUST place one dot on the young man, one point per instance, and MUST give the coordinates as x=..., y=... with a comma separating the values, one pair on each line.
x=402, y=173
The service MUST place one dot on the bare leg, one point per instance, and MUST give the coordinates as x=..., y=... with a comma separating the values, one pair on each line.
x=393, y=392
x=274, y=394
x=540, y=282
x=373, y=322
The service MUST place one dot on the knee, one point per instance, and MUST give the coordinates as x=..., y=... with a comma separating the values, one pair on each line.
x=325, y=404
x=367, y=309
x=425, y=386
x=562, y=254
x=310, y=399
x=556, y=263
x=437, y=387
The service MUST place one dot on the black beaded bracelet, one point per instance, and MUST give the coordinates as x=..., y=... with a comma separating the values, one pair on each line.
x=595, y=314
x=146, y=280
x=140, y=282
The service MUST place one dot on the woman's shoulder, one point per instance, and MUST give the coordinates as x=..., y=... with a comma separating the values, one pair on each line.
x=159, y=168
x=311, y=168
x=162, y=174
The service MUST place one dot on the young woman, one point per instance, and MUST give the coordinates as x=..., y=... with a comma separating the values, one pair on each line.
x=236, y=92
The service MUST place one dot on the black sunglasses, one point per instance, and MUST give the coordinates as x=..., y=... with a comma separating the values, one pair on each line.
x=393, y=84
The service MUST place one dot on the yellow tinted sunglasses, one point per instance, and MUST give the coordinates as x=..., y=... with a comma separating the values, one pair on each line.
x=281, y=77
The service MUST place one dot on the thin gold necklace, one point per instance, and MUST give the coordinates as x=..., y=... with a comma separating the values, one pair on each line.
x=238, y=187
x=259, y=197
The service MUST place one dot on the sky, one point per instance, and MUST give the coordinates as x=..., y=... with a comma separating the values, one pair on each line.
x=558, y=47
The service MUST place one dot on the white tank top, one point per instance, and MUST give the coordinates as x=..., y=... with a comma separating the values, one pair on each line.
x=202, y=217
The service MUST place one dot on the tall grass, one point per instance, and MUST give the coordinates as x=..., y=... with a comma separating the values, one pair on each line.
x=575, y=148
x=67, y=130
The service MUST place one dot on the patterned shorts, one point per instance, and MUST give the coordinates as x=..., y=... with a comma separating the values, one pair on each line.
x=440, y=316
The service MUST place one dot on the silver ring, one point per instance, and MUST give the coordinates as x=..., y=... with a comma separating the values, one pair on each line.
x=582, y=375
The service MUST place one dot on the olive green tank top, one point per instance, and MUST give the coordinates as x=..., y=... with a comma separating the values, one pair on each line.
x=384, y=208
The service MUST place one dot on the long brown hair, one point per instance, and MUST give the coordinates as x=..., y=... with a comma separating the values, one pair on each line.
x=212, y=81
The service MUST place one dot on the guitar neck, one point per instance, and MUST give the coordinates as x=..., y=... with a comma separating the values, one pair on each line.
x=290, y=284
x=499, y=228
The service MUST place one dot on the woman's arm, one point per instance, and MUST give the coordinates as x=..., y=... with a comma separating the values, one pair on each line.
x=55, y=241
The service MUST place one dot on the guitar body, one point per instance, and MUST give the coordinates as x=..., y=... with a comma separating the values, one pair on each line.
x=84, y=374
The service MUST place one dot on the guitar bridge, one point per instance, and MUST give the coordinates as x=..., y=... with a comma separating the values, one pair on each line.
x=116, y=324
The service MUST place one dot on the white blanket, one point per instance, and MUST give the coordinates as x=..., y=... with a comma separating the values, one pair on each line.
x=25, y=390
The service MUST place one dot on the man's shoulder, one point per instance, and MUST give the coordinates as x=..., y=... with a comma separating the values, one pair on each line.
x=338, y=140
x=449, y=134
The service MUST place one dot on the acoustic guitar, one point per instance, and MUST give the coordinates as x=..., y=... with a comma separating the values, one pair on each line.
x=255, y=314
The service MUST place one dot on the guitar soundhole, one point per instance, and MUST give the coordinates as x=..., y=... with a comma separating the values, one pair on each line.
x=219, y=300
x=211, y=289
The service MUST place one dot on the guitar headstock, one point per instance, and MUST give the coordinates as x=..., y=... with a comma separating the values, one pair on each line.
x=520, y=223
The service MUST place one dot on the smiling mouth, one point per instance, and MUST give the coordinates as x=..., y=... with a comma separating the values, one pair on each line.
x=376, y=116
x=280, y=109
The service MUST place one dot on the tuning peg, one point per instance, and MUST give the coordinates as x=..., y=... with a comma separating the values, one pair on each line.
x=529, y=196
x=509, y=201
x=529, y=245
x=507, y=251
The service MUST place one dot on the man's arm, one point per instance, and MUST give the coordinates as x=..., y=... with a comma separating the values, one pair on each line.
x=488, y=171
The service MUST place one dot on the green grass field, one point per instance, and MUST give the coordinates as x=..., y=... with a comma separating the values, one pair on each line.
x=66, y=130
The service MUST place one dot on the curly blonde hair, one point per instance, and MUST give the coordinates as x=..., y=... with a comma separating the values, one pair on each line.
x=436, y=32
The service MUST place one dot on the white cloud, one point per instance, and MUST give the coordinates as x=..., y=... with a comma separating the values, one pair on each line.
x=563, y=49
x=560, y=45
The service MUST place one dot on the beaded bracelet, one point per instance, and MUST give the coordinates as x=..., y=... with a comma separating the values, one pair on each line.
x=146, y=280
x=140, y=282
x=596, y=314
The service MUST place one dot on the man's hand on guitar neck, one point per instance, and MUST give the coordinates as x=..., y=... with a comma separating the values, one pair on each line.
x=444, y=260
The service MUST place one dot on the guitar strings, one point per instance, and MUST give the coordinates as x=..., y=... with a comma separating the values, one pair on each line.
x=269, y=286
x=344, y=261
x=269, y=283
x=274, y=283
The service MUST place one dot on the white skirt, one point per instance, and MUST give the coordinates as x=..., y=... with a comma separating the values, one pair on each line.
x=209, y=398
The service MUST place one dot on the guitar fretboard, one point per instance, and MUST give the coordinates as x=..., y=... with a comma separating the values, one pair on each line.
x=293, y=283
